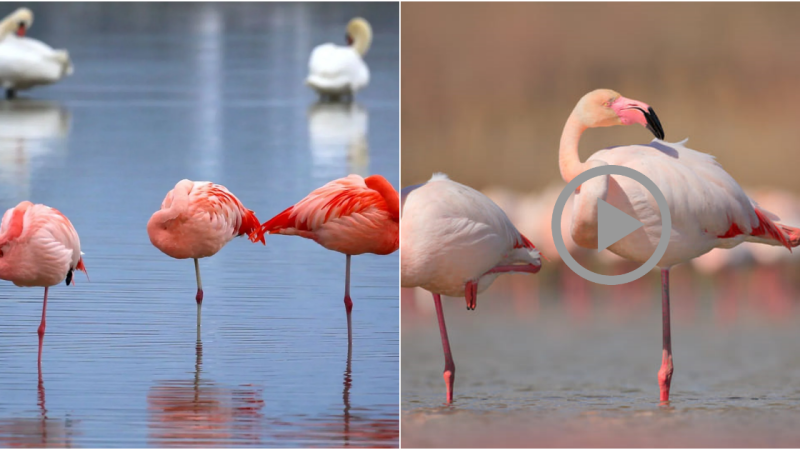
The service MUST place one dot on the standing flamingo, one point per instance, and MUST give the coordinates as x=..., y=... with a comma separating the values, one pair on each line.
x=197, y=219
x=708, y=208
x=456, y=241
x=351, y=215
x=38, y=247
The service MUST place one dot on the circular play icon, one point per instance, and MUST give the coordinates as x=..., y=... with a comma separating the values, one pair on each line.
x=612, y=225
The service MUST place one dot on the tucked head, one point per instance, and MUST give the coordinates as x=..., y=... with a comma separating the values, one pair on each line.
x=605, y=108
x=359, y=35
x=19, y=21
x=382, y=185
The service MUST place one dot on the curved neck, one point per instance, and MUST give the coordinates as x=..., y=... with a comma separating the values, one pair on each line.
x=569, y=162
x=7, y=26
x=361, y=42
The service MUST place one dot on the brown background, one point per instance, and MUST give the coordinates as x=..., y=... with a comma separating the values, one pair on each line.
x=486, y=88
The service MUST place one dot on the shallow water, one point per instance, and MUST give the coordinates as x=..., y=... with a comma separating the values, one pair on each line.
x=559, y=362
x=206, y=92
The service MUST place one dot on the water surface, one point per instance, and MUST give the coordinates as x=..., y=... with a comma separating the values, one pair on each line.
x=556, y=361
x=213, y=92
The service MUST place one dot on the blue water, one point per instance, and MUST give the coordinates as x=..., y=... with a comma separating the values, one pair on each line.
x=212, y=92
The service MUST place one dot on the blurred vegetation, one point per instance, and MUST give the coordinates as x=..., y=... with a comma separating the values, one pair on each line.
x=486, y=88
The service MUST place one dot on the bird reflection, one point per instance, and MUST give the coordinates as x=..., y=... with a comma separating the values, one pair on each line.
x=38, y=432
x=338, y=135
x=199, y=412
x=369, y=427
x=29, y=130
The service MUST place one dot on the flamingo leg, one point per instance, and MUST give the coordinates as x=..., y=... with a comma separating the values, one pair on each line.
x=348, y=303
x=43, y=324
x=449, y=366
x=471, y=295
x=471, y=288
x=519, y=268
x=665, y=373
x=199, y=297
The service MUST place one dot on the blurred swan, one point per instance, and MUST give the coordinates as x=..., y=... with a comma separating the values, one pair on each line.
x=338, y=135
x=27, y=62
x=336, y=70
x=30, y=132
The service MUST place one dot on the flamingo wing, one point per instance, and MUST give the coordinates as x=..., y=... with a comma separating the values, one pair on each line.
x=339, y=198
x=221, y=206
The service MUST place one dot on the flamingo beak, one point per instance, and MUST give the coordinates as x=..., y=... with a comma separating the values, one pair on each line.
x=21, y=30
x=653, y=124
x=349, y=39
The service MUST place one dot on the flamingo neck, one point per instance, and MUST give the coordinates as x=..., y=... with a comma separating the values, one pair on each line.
x=569, y=162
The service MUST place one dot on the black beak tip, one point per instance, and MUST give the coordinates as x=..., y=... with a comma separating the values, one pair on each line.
x=653, y=124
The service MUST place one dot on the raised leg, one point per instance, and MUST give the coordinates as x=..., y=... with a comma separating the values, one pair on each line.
x=471, y=295
x=348, y=303
x=199, y=297
x=665, y=373
x=449, y=366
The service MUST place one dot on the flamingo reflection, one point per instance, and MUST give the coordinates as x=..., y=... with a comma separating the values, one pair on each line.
x=38, y=432
x=198, y=412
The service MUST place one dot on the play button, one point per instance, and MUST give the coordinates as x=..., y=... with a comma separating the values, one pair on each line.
x=612, y=224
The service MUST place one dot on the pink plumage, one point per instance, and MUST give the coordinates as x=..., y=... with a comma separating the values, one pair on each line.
x=197, y=219
x=351, y=215
x=707, y=206
x=38, y=247
x=456, y=242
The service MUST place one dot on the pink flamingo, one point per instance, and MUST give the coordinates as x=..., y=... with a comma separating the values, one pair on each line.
x=351, y=215
x=456, y=242
x=197, y=219
x=38, y=247
x=708, y=208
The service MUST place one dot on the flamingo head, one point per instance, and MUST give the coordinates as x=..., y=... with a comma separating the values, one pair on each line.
x=605, y=108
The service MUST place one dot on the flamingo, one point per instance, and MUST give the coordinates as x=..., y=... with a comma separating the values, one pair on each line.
x=456, y=241
x=337, y=70
x=27, y=62
x=350, y=215
x=197, y=219
x=38, y=247
x=708, y=208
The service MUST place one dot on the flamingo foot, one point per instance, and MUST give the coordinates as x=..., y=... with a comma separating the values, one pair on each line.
x=471, y=295
x=199, y=296
x=665, y=377
x=449, y=376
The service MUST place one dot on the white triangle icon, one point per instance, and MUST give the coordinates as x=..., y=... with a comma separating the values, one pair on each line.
x=613, y=225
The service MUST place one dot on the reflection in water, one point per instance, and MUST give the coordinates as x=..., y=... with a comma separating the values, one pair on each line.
x=29, y=130
x=338, y=134
x=39, y=432
x=364, y=428
x=198, y=412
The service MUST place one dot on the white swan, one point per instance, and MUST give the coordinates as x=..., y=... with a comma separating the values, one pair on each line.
x=27, y=62
x=336, y=70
